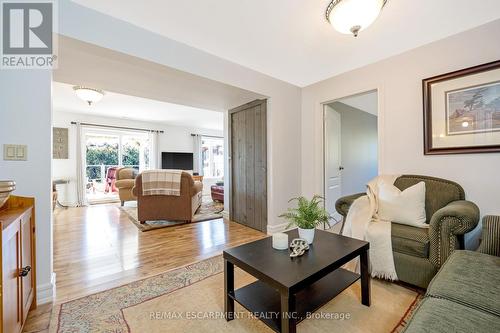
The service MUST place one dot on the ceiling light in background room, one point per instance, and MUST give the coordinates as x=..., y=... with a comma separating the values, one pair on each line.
x=89, y=95
x=353, y=16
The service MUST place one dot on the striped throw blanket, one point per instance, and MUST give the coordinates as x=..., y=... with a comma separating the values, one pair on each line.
x=161, y=182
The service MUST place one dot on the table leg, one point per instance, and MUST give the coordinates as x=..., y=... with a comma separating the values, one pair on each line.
x=228, y=289
x=288, y=314
x=365, y=278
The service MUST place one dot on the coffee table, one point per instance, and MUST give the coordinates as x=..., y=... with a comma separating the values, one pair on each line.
x=287, y=290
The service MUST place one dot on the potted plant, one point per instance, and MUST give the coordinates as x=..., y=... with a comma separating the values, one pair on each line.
x=307, y=216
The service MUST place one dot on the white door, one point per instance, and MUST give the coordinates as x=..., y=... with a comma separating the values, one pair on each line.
x=333, y=168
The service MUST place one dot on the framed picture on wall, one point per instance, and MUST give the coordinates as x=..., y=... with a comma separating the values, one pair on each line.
x=462, y=111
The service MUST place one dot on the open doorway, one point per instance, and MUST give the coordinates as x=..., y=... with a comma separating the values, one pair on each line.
x=350, y=146
x=105, y=151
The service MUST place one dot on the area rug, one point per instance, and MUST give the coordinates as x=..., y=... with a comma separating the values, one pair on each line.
x=190, y=299
x=209, y=210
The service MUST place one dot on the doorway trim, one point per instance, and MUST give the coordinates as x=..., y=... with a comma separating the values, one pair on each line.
x=319, y=139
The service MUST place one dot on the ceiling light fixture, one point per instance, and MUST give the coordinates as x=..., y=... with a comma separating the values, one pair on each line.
x=89, y=95
x=353, y=16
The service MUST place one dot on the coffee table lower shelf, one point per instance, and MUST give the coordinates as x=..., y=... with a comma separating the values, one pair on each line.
x=261, y=299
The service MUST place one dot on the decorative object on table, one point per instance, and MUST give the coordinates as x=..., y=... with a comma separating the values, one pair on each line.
x=299, y=246
x=307, y=216
x=219, y=183
x=280, y=241
x=60, y=143
x=462, y=111
x=353, y=16
x=6, y=188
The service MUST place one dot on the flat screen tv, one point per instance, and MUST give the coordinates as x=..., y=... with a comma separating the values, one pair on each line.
x=180, y=161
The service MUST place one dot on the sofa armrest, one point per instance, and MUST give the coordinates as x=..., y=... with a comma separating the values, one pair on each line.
x=490, y=236
x=447, y=227
x=343, y=204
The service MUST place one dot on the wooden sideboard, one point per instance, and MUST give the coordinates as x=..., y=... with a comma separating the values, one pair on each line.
x=18, y=274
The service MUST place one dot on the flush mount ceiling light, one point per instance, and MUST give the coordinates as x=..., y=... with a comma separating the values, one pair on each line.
x=353, y=16
x=89, y=95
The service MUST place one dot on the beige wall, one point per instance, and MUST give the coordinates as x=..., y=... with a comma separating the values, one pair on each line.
x=399, y=83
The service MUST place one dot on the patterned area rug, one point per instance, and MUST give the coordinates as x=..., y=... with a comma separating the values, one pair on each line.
x=209, y=210
x=190, y=299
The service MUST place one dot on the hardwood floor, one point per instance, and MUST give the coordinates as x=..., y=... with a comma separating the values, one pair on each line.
x=97, y=248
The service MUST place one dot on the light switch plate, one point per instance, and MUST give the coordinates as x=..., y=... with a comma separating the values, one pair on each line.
x=15, y=152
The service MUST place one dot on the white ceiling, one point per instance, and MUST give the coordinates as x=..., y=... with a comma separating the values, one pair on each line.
x=290, y=39
x=367, y=102
x=136, y=108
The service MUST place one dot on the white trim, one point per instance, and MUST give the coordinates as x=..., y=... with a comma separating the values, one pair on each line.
x=318, y=163
x=46, y=293
x=225, y=214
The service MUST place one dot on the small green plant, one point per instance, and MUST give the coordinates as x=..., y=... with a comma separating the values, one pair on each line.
x=308, y=214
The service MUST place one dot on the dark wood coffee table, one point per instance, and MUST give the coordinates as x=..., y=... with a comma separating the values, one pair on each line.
x=289, y=289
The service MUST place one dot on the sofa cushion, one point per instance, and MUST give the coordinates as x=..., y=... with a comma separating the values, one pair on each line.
x=410, y=240
x=469, y=278
x=436, y=315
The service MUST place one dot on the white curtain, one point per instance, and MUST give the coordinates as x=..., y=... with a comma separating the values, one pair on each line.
x=154, y=138
x=81, y=177
x=197, y=155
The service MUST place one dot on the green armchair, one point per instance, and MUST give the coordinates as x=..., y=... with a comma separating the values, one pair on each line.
x=418, y=252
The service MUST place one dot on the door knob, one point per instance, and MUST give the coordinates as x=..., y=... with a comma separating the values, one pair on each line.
x=24, y=271
x=341, y=168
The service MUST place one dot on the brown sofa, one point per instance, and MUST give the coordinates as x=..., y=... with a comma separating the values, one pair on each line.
x=125, y=181
x=168, y=207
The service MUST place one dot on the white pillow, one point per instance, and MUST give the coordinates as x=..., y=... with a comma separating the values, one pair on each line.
x=404, y=207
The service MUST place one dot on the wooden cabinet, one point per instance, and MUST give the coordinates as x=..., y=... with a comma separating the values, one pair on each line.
x=18, y=279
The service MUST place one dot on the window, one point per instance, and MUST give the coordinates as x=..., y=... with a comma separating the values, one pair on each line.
x=212, y=149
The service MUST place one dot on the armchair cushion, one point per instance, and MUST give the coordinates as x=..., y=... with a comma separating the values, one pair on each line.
x=410, y=240
x=438, y=192
x=455, y=219
x=469, y=278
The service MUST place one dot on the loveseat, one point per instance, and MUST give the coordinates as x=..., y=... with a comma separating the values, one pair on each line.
x=420, y=252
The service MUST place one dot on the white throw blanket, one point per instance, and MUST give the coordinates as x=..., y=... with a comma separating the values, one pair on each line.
x=362, y=223
x=161, y=182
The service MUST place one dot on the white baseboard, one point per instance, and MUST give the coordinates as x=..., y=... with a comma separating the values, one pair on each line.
x=46, y=293
x=225, y=214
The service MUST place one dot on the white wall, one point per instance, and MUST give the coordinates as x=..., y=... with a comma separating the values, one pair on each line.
x=174, y=138
x=25, y=118
x=358, y=148
x=399, y=83
x=283, y=104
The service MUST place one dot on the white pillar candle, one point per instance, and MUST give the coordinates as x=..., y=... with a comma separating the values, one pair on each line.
x=280, y=241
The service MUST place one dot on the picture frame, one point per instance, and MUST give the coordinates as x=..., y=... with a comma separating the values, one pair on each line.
x=462, y=111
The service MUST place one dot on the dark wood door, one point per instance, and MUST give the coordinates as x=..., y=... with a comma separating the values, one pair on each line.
x=248, y=164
